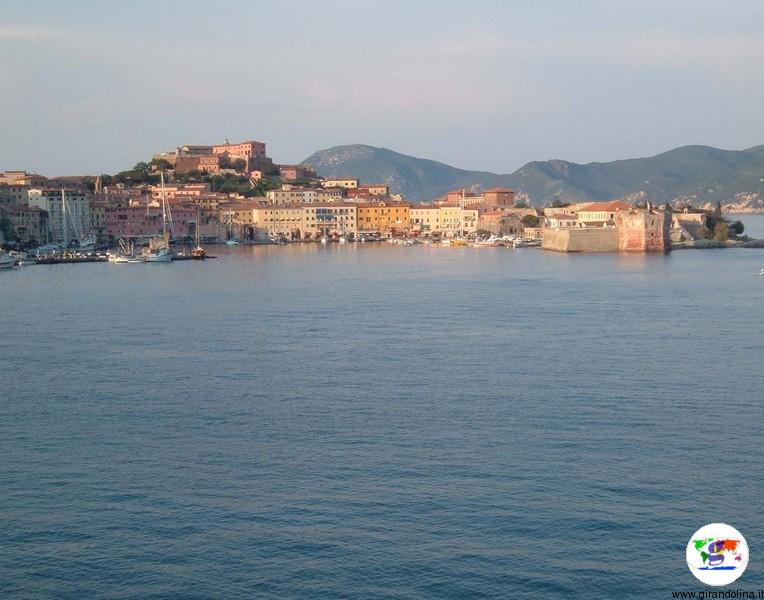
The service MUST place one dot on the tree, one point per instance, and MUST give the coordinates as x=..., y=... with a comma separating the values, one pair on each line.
x=559, y=204
x=239, y=164
x=737, y=227
x=521, y=204
x=160, y=164
x=718, y=211
x=721, y=232
x=530, y=221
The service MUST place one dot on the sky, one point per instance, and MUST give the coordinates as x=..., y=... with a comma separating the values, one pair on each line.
x=96, y=86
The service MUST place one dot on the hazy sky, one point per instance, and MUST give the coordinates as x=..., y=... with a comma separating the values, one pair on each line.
x=97, y=86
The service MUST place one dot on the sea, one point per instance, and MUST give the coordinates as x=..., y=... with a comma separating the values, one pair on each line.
x=379, y=421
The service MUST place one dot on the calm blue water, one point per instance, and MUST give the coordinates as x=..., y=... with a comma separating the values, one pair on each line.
x=378, y=422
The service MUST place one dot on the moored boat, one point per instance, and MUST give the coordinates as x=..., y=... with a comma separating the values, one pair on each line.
x=6, y=260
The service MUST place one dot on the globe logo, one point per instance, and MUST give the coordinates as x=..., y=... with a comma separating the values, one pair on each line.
x=717, y=554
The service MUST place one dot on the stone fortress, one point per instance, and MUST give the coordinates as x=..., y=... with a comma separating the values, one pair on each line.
x=609, y=227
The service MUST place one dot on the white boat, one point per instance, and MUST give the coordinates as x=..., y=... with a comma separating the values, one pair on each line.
x=761, y=272
x=160, y=255
x=324, y=240
x=6, y=260
x=163, y=253
x=232, y=243
x=343, y=240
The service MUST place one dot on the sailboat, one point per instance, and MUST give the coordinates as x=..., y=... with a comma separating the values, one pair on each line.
x=126, y=254
x=198, y=253
x=231, y=241
x=162, y=253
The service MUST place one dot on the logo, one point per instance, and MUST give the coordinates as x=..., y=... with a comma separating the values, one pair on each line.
x=717, y=554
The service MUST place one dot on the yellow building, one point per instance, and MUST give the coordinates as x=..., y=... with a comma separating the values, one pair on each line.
x=329, y=219
x=348, y=184
x=368, y=217
x=282, y=220
x=394, y=217
x=598, y=214
x=425, y=218
x=378, y=190
x=457, y=221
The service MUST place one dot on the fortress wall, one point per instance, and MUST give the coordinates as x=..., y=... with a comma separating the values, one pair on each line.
x=604, y=239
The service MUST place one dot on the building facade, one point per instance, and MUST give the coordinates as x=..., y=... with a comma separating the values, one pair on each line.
x=68, y=213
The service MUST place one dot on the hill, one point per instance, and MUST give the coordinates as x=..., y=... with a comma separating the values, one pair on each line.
x=701, y=174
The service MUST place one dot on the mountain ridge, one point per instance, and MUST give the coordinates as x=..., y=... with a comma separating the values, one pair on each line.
x=697, y=173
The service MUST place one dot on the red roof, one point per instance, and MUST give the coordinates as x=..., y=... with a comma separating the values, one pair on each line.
x=500, y=190
x=614, y=205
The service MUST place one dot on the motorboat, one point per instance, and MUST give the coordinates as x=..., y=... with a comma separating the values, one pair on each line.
x=232, y=243
x=6, y=260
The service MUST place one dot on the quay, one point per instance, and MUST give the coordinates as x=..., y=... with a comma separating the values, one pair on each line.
x=60, y=260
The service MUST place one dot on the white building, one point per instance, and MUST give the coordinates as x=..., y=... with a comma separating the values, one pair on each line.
x=68, y=218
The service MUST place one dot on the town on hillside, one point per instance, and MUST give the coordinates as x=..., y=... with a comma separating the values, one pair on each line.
x=235, y=193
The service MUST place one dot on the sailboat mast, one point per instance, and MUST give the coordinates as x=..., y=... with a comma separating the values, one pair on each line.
x=165, y=235
x=65, y=218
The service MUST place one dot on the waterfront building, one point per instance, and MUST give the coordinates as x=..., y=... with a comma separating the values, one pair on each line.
x=146, y=221
x=394, y=217
x=330, y=219
x=98, y=217
x=499, y=222
x=631, y=230
x=29, y=225
x=14, y=194
x=457, y=221
x=424, y=218
x=285, y=221
x=367, y=214
x=65, y=221
x=644, y=230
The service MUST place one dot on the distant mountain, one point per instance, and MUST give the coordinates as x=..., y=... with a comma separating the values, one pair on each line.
x=414, y=178
x=700, y=174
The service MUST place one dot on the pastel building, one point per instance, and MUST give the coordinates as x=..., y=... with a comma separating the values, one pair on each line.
x=347, y=183
x=601, y=214
x=291, y=195
x=330, y=220
x=141, y=222
x=425, y=219
x=29, y=225
x=67, y=219
x=456, y=221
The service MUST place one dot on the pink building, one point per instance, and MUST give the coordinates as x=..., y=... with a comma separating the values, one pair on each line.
x=137, y=221
x=246, y=150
